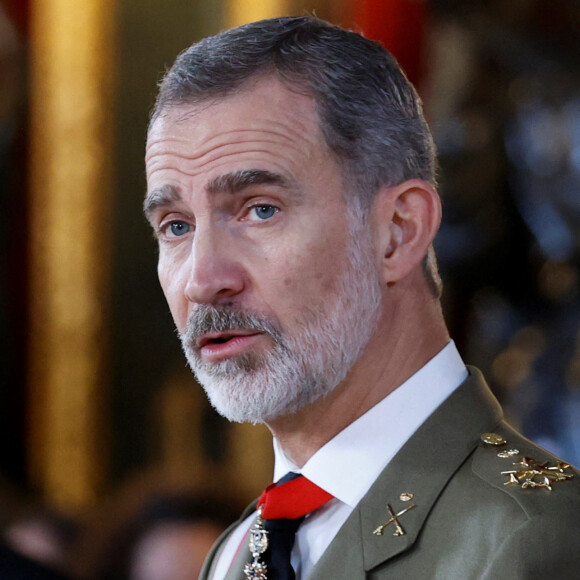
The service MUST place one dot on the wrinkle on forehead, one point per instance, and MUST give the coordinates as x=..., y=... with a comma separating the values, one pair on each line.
x=265, y=126
x=223, y=140
x=268, y=102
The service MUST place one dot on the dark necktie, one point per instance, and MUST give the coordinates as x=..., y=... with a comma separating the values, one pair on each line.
x=283, y=506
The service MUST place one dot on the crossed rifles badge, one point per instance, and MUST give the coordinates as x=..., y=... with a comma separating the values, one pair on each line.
x=399, y=530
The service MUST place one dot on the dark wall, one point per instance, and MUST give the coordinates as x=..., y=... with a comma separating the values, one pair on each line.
x=145, y=347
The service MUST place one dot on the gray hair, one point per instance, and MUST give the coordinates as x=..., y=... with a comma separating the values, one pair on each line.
x=370, y=115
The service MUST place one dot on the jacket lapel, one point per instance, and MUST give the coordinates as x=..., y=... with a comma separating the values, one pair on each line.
x=421, y=469
x=243, y=556
x=236, y=571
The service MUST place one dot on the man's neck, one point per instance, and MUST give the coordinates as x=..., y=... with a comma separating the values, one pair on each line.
x=389, y=359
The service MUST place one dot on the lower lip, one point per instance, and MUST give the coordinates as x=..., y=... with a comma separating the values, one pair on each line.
x=216, y=351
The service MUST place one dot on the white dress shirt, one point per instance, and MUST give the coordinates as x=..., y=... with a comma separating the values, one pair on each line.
x=348, y=464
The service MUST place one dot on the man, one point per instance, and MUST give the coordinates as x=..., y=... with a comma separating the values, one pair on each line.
x=291, y=186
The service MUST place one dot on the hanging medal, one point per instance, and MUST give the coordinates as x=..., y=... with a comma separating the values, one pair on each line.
x=257, y=570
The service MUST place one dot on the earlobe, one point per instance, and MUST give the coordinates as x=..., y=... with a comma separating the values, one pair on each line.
x=409, y=216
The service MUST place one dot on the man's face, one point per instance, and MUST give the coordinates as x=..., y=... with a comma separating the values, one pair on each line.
x=270, y=278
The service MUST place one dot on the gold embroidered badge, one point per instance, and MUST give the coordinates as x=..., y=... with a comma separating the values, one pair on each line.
x=532, y=474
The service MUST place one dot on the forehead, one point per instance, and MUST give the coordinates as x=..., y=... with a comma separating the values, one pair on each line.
x=263, y=123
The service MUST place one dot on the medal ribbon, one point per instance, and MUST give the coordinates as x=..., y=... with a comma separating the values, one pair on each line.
x=292, y=499
x=281, y=508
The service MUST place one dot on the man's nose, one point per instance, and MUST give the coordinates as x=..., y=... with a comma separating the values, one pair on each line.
x=215, y=272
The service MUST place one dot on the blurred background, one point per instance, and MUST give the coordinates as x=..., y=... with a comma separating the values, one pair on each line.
x=95, y=399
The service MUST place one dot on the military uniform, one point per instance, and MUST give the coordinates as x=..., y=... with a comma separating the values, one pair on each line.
x=467, y=497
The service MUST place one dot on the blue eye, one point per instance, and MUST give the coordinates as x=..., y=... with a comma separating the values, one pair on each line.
x=264, y=212
x=179, y=228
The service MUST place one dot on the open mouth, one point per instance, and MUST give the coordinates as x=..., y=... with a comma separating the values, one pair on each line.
x=219, y=346
x=222, y=338
x=219, y=340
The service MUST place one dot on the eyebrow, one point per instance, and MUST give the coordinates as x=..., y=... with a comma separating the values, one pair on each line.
x=230, y=183
x=239, y=180
x=164, y=196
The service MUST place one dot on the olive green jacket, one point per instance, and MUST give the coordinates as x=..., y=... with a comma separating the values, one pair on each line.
x=470, y=519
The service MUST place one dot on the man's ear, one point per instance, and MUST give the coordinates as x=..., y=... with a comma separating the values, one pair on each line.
x=406, y=218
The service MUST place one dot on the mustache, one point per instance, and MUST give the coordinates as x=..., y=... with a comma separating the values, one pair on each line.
x=206, y=319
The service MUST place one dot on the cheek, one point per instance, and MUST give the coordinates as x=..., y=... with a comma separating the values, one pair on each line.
x=164, y=276
x=314, y=272
x=172, y=283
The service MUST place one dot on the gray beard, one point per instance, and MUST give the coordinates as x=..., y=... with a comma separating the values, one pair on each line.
x=304, y=364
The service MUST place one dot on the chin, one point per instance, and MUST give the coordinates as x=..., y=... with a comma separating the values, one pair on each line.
x=247, y=398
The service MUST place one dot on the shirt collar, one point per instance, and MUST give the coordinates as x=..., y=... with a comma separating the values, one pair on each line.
x=349, y=463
